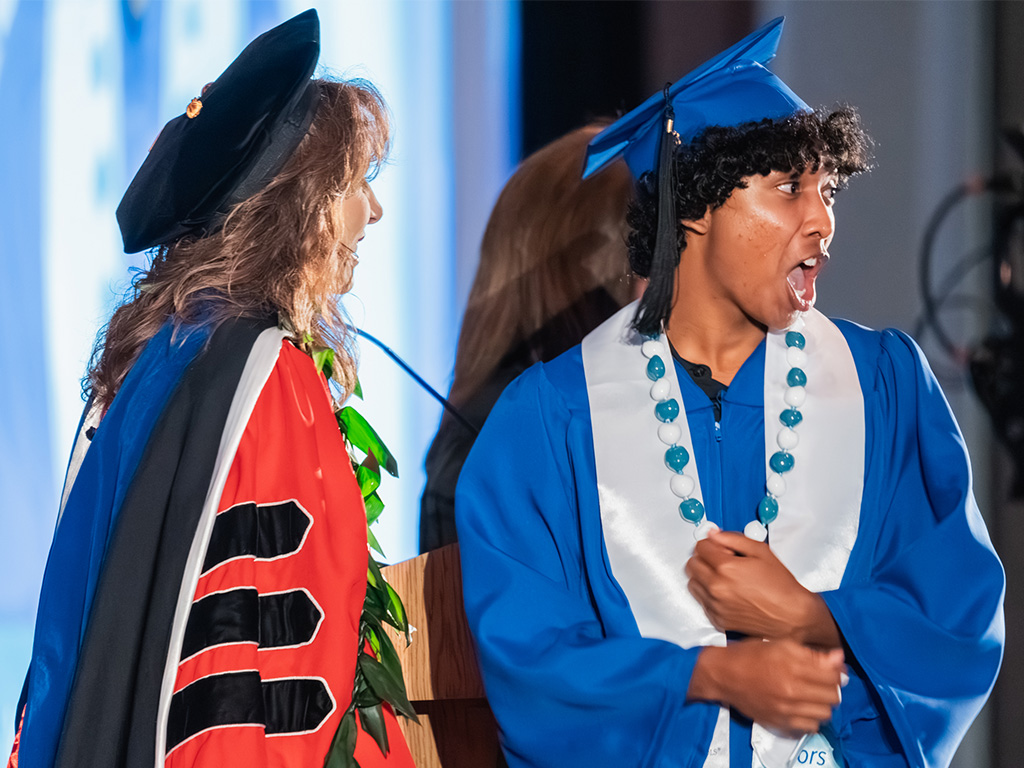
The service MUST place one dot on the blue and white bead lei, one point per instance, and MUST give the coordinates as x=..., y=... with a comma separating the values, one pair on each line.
x=677, y=458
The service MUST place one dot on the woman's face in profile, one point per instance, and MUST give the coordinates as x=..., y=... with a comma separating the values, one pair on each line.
x=355, y=212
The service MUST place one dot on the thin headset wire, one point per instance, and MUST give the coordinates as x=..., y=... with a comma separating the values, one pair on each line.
x=419, y=380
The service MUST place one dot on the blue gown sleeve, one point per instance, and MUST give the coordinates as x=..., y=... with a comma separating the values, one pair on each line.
x=567, y=688
x=920, y=606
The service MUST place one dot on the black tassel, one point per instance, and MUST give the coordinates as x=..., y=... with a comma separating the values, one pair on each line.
x=657, y=299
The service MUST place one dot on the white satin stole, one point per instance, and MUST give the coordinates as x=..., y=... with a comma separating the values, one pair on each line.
x=648, y=543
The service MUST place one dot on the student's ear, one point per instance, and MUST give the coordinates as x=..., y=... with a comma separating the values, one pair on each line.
x=698, y=226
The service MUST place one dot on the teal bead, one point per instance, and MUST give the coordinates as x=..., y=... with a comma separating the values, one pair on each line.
x=655, y=368
x=796, y=377
x=795, y=339
x=767, y=510
x=667, y=410
x=791, y=417
x=781, y=462
x=676, y=458
x=692, y=511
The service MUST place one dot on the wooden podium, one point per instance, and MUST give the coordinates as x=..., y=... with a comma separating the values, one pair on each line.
x=456, y=729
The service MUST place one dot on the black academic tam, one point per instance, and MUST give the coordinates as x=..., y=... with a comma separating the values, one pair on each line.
x=231, y=141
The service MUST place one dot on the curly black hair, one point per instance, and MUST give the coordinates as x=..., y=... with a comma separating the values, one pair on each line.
x=716, y=162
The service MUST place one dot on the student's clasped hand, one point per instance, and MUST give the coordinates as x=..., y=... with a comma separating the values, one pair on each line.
x=743, y=587
x=782, y=685
x=790, y=683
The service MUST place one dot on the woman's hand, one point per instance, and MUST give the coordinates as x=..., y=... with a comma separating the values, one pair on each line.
x=779, y=684
x=744, y=588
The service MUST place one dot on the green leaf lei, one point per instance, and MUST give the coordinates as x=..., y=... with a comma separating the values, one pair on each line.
x=378, y=677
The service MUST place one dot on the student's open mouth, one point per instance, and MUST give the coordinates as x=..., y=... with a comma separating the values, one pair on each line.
x=801, y=280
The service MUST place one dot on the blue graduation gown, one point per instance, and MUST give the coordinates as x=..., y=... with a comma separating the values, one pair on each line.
x=570, y=679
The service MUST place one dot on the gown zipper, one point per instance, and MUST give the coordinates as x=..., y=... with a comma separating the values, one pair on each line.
x=718, y=415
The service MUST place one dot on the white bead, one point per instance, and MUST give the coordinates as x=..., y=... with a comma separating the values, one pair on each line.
x=652, y=347
x=776, y=484
x=681, y=485
x=787, y=439
x=669, y=433
x=755, y=531
x=798, y=324
x=795, y=396
x=796, y=357
x=703, y=530
x=660, y=389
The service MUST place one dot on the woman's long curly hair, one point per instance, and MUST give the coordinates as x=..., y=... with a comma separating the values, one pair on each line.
x=716, y=162
x=278, y=252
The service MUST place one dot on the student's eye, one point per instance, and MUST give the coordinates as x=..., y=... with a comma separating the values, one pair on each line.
x=790, y=187
x=829, y=193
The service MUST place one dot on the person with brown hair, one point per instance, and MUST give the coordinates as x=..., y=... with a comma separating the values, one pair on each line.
x=203, y=599
x=553, y=267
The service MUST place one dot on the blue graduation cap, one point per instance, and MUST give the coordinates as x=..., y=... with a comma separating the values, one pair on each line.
x=732, y=88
